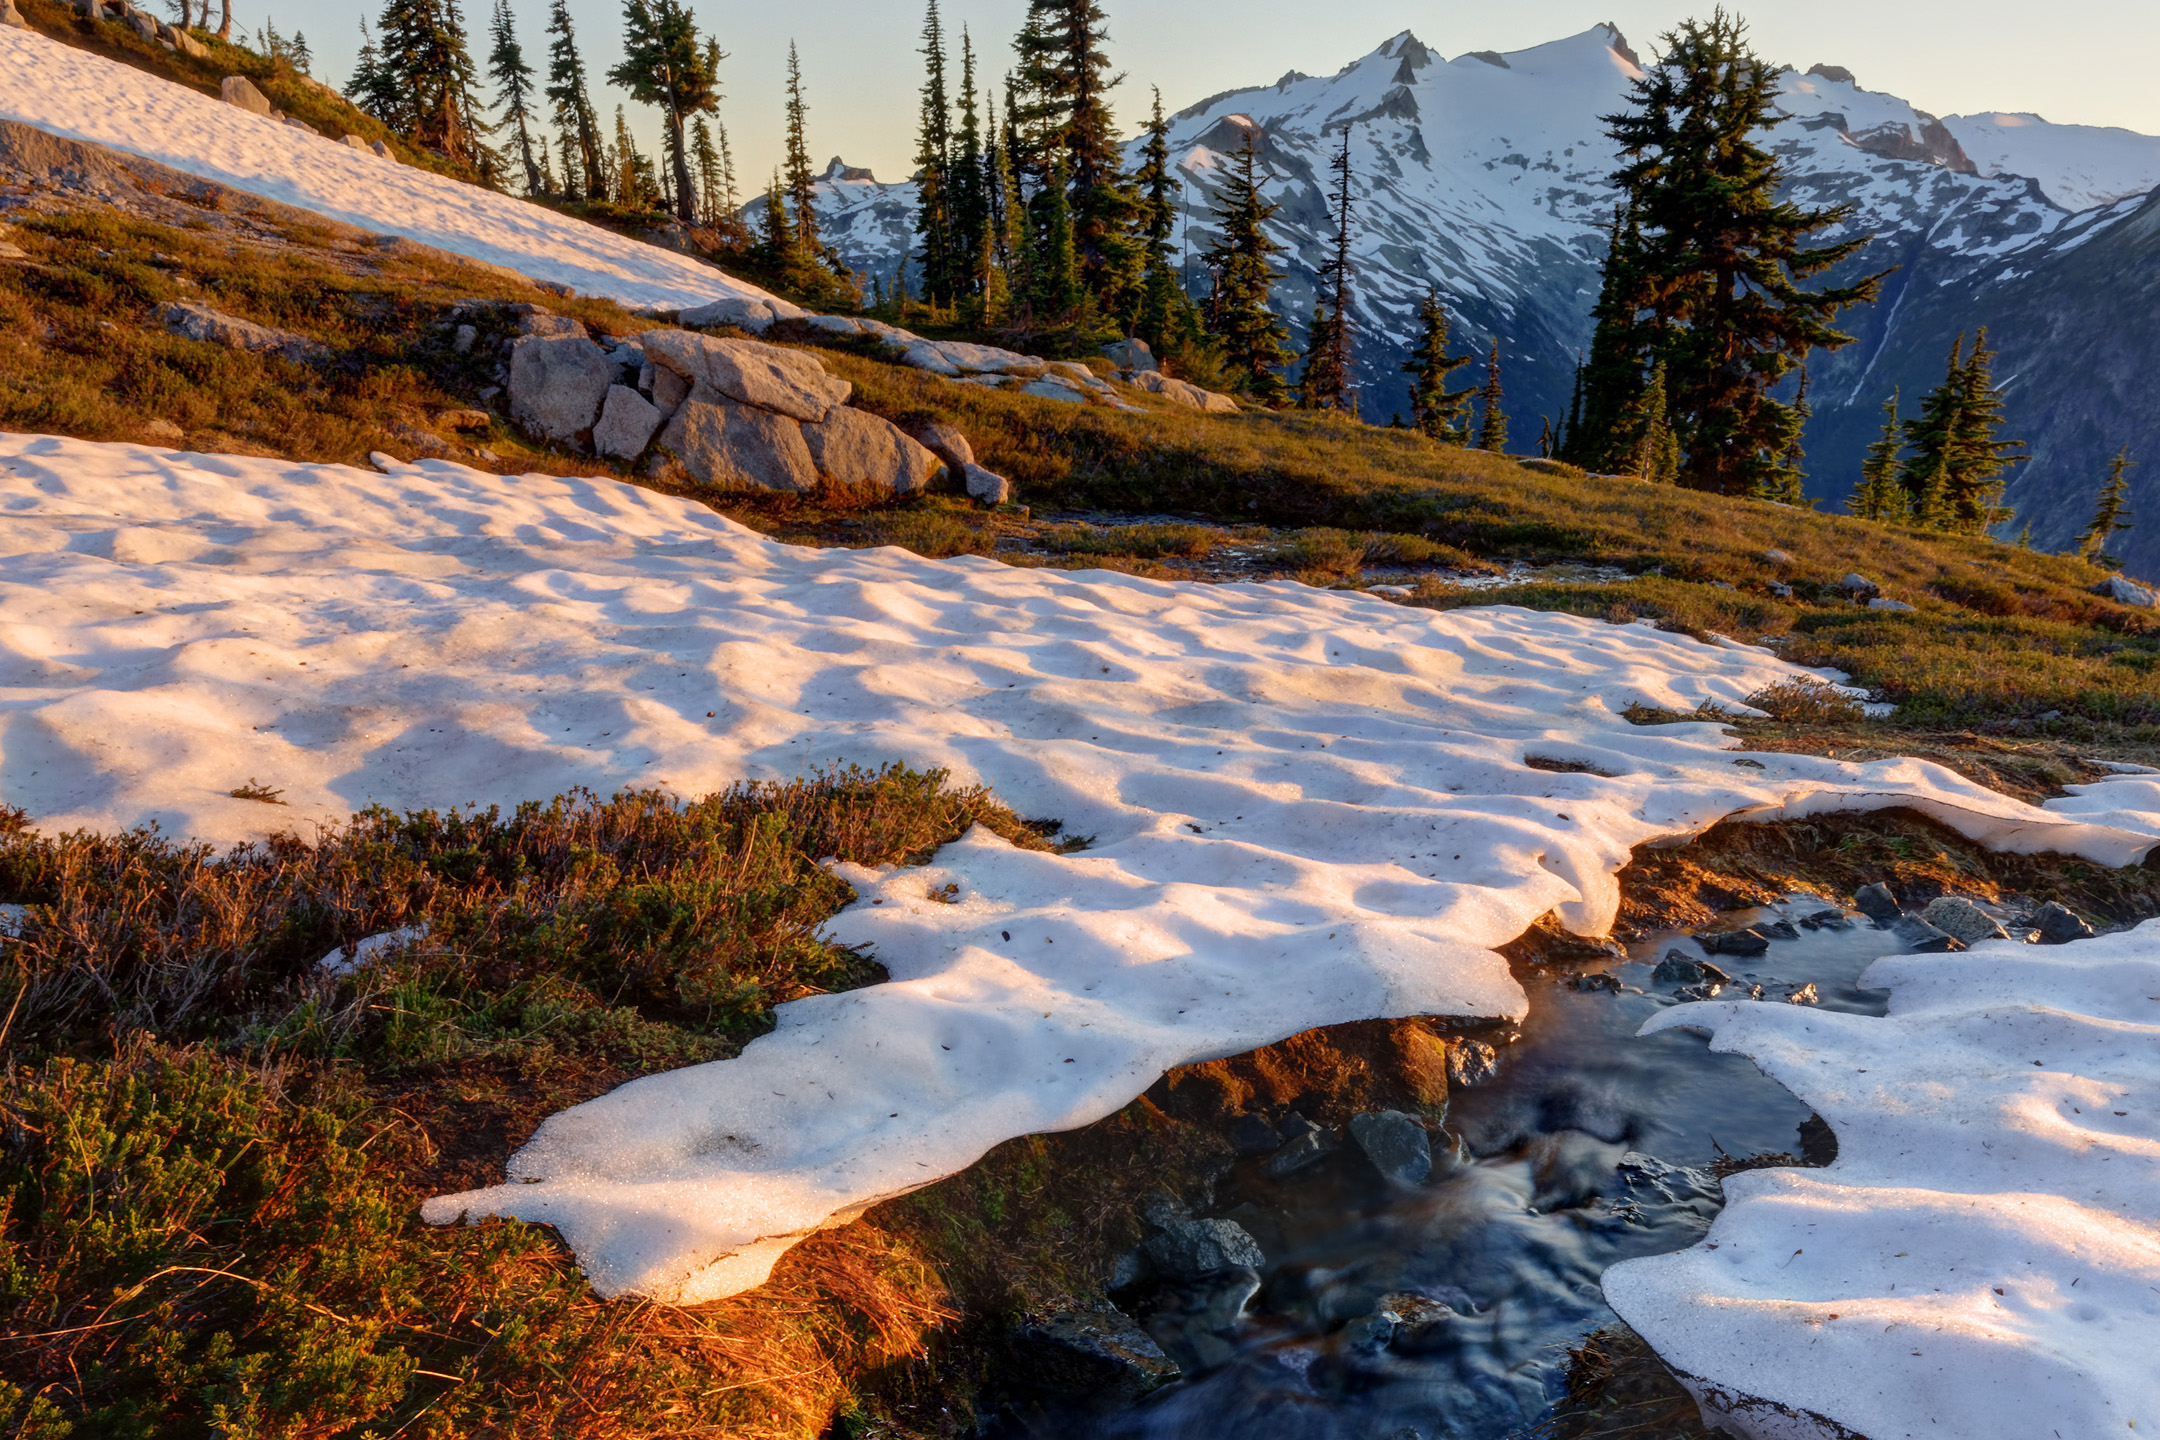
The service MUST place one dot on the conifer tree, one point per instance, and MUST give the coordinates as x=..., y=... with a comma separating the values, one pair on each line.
x=1492, y=421
x=1710, y=265
x=1328, y=383
x=1065, y=75
x=2111, y=513
x=374, y=89
x=970, y=186
x=1057, y=294
x=801, y=179
x=424, y=51
x=665, y=64
x=777, y=236
x=1239, y=314
x=1879, y=495
x=513, y=92
x=1166, y=319
x=1435, y=410
x=1787, y=483
x=583, y=163
x=933, y=170
x=1954, y=449
x=303, y=59
x=1655, y=454
x=705, y=157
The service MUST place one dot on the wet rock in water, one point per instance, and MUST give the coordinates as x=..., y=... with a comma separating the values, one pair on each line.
x=2059, y=925
x=1131, y=1270
x=1197, y=1327
x=1598, y=981
x=1876, y=902
x=1955, y=915
x=1300, y=1153
x=1368, y=1336
x=1188, y=1250
x=1751, y=941
x=1097, y=1353
x=1805, y=995
x=1680, y=968
x=1921, y=938
x=1569, y=1168
x=1778, y=930
x=1395, y=1143
x=1826, y=920
x=1471, y=1062
x=1422, y=1322
x=1708, y=990
x=1253, y=1135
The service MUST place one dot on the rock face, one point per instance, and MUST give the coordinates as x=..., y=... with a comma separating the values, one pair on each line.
x=186, y=44
x=850, y=447
x=557, y=386
x=1396, y=1144
x=9, y=15
x=787, y=382
x=545, y=323
x=627, y=423
x=1877, y=903
x=239, y=90
x=1471, y=1062
x=714, y=440
x=755, y=316
x=195, y=322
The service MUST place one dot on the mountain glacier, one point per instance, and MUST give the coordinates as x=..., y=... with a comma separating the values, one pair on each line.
x=1486, y=177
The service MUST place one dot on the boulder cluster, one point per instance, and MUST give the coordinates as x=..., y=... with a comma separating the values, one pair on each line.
x=239, y=92
x=712, y=410
x=152, y=29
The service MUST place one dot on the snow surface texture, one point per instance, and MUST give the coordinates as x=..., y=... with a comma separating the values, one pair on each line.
x=1983, y=1259
x=82, y=96
x=1308, y=807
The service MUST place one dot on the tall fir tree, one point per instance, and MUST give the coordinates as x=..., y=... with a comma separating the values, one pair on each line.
x=375, y=90
x=1166, y=320
x=1880, y=495
x=2111, y=514
x=583, y=162
x=1787, y=484
x=705, y=159
x=776, y=236
x=943, y=263
x=424, y=51
x=1492, y=415
x=1065, y=79
x=1609, y=380
x=667, y=65
x=1240, y=313
x=801, y=180
x=302, y=57
x=970, y=185
x=1655, y=450
x=1329, y=382
x=1953, y=471
x=514, y=92
x=1712, y=275
x=1435, y=410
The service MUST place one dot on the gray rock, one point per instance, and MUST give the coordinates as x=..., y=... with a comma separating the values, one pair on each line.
x=1198, y=1331
x=946, y=442
x=1396, y=1144
x=1876, y=902
x=1921, y=938
x=187, y=44
x=1859, y=587
x=240, y=91
x=1055, y=388
x=1184, y=393
x=987, y=486
x=852, y=447
x=787, y=382
x=2127, y=592
x=2059, y=925
x=294, y=124
x=1680, y=968
x=1895, y=606
x=1955, y=915
x=557, y=386
x=1751, y=941
x=467, y=337
x=1188, y=1250
x=1091, y=1354
x=538, y=320
x=383, y=150
x=1471, y=1062
x=9, y=15
x=1777, y=557
x=352, y=142
x=1707, y=990
x=1253, y=1135
x=1780, y=589
x=669, y=390
x=755, y=316
x=627, y=423
x=714, y=440
x=1131, y=355
x=196, y=322
x=1803, y=995
x=144, y=25
x=928, y=355
x=1301, y=1152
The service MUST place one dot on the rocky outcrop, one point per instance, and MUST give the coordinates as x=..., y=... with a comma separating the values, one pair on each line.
x=196, y=322
x=986, y=486
x=9, y=15
x=238, y=90
x=716, y=440
x=786, y=382
x=628, y=422
x=1131, y=356
x=850, y=447
x=946, y=442
x=1184, y=392
x=2127, y=592
x=557, y=386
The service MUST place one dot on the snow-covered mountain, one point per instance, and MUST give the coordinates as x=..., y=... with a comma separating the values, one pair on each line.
x=1485, y=175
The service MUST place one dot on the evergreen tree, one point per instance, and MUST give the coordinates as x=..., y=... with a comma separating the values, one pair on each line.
x=513, y=91
x=711, y=187
x=1954, y=448
x=374, y=89
x=666, y=65
x=547, y=168
x=2111, y=513
x=424, y=50
x=801, y=179
x=1787, y=484
x=942, y=261
x=1166, y=319
x=303, y=59
x=1253, y=340
x=1492, y=423
x=583, y=163
x=1880, y=495
x=777, y=237
x=1654, y=454
x=1609, y=381
x=1016, y=241
x=1435, y=410
x=1058, y=293
x=1065, y=75
x=1708, y=266
x=970, y=187
x=1328, y=383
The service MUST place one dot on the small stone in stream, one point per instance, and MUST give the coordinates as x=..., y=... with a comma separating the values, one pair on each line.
x=1751, y=941
x=1826, y=920
x=1920, y=938
x=1779, y=930
x=1708, y=990
x=1599, y=981
x=2059, y=925
x=1091, y=1353
x=1188, y=1250
x=1955, y=915
x=1680, y=968
x=1805, y=995
x=1471, y=1062
x=1306, y=1150
x=1131, y=1270
x=1396, y=1144
x=1253, y=1135
x=1876, y=902
x=1197, y=1331
x=1365, y=1337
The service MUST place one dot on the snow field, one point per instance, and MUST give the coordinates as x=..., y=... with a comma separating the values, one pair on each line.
x=82, y=96
x=1983, y=1259
x=1308, y=807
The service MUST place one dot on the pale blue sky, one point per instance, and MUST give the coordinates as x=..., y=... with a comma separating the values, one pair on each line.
x=2093, y=62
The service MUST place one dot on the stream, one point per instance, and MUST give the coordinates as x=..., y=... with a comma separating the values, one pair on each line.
x=1445, y=1310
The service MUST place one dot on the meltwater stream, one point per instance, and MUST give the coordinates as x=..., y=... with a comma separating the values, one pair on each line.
x=1445, y=1311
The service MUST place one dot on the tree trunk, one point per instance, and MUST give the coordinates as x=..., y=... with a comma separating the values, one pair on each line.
x=685, y=198
x=224, y=29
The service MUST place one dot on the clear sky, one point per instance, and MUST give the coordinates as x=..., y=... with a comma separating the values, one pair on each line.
x=2091, y=62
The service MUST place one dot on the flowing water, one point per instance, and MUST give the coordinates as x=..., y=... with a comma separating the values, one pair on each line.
x=1446, y=1309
